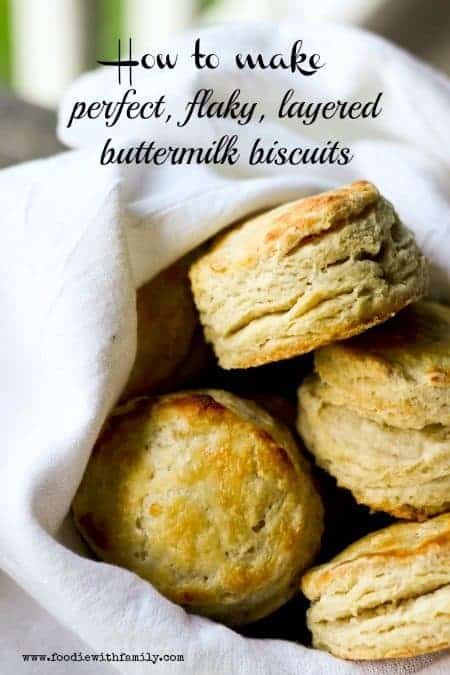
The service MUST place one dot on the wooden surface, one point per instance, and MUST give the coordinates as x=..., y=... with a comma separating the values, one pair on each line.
x=26, y=131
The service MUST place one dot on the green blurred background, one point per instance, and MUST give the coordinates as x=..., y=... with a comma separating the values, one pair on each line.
x=105, y=21
x=44, y=44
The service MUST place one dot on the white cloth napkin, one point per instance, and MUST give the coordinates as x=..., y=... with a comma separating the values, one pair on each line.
x=78, y=238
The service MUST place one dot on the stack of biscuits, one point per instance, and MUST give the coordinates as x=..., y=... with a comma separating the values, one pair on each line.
x=212, y=498
x=376, y=415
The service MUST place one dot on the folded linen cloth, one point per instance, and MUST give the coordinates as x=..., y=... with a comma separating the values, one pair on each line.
x=78, y=238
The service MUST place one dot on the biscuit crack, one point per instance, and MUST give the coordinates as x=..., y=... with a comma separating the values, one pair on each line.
x=369, y=613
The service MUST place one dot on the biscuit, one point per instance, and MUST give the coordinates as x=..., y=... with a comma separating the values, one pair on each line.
x=206, y=496
x=305, y=274
x=397, y=373
x=170, y=346
x=386, y=596
x=401, y=471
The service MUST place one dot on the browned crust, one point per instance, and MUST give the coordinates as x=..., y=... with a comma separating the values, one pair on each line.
x=403, y=512
x=291, y=224
x=319, y=578
x=193, y=402
x=312, y=215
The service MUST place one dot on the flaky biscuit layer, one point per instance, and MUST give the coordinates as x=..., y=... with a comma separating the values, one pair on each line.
x=386, y=596
x=305, y=274
x=405, y=472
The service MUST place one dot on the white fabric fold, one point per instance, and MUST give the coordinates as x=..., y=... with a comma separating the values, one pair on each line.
x=78, y=238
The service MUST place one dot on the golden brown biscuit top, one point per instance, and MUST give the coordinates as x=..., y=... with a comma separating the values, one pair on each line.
x=414, y=345
x=289, y=225
x=312, y=215
x=202, y=493
x=401, y=542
